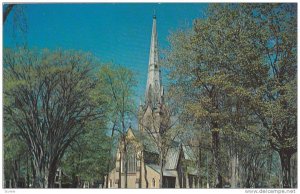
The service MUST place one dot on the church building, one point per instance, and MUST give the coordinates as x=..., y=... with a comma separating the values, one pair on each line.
x=143, y=153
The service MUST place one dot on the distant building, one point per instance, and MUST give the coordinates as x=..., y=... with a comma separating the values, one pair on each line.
x=142, y=152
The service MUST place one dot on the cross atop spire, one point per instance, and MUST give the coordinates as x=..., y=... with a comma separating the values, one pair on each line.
x=154, y=14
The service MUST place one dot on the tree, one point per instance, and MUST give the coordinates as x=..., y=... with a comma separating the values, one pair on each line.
x=275, y=102
x=162, y=126
x=7, y=11
x=231, y=74
x=85, y=157
x=203, y=88
x=18, y=21
x=16, y=159
x=116, y=85
x=47, y=98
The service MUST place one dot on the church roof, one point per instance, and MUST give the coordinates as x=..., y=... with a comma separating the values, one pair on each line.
x=148, y=144
x=172, y=158
x=165, y=171
x=188, y=153
x=192, y=170
x=173, y=153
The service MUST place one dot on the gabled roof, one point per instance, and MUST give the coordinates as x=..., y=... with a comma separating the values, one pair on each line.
x=148, y=144
x=171, y=173
x=192, y=171
x=172, y=156
x=188, y=153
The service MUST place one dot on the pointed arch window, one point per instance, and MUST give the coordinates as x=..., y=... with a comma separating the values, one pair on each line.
x=131, y=164
x=131, y=161
x=153, y=183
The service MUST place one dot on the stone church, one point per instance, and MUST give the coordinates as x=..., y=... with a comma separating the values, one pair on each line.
x=143, y=169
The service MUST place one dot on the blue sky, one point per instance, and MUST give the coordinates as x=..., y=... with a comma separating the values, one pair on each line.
x=113, y=32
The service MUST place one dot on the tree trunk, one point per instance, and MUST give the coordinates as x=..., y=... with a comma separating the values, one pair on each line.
x=233, y=170
x=285, y=158
x=145, y=174
x=161, y=171
x=40, y=173
x=125, y=146
x=199, y=164
x=27, y=171
x=125, y=164
x=270, y=162
x=51, y=176
x=207, y=171
x=140, y=181
x=45, y=173
x=39, y=181
x=120, y=169
x=15, y=173
x=107, y=169
x=33, y=172
x=108, y=162
x=293, y=170
x=74, y=180
x=216, y=155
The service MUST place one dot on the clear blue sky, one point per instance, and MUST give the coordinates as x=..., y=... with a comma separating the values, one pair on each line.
x=118, y=33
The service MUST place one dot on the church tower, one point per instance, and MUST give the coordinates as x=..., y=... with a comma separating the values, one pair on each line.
x=151, y=113
x=154, y=88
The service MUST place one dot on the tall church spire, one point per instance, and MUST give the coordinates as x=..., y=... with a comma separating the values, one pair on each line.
x=153, y=95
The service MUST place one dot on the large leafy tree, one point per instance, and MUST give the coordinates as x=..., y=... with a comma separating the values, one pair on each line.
x=275, y=101
x=235, y=72
x=116, y=86
x=85, y=157
x=47, y=98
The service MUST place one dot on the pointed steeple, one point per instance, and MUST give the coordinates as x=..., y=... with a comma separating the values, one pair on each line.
x=153, y=87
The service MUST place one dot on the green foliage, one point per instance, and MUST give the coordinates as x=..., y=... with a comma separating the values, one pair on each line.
x=234, y=73
x=115, y=85
x=14, y=150
x=87, y=156
x=47, y=100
